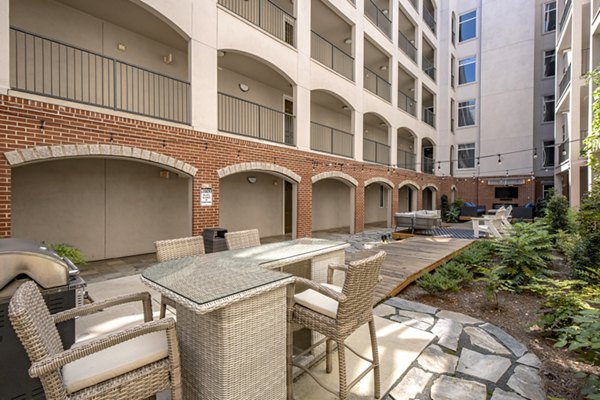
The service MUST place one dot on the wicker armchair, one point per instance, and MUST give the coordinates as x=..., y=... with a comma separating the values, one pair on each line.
x=336, y=313
x=173, y=249
x=242, y=239
x=132, y=364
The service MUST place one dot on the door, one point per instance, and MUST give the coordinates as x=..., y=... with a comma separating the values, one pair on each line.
x=288, y=109
x=287, y=208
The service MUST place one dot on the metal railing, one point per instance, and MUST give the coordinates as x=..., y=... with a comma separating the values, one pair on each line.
x=429, y=20
x=246, y=118
x=331, y=140
x=563, y=151
x=407, y=46
x=265, y=15
x=376, y=84
x=565, y=13
x=50, y=68
x=585, y=61
x=427, y=165
x=378, y=18
x=428, y=68
x=376, y=152
x=414, y=4
x=407, y=103
x=428, y=117
x=331, y=56
x=406, y=160
x=564, y=82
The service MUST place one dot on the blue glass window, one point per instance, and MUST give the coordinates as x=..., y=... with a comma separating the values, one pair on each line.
x=467, y=26
x=467, y=70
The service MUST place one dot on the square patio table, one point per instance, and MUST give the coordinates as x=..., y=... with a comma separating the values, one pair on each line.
x=231, y=314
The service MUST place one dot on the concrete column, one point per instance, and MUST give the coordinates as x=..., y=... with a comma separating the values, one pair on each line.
x=302, y=111
x=418, y=153
x=4, y=47
x=357, y=123
x=359, y=62
x=302, y=89
x=393, y=141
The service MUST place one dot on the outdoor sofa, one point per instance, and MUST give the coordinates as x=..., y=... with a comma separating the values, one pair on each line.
x=418, y=220
x=472, y=210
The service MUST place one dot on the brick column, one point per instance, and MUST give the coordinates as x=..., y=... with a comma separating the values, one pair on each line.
x=304, y=208
x=5, y=188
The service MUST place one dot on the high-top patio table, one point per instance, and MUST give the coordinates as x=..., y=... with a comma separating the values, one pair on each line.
x=231, y=314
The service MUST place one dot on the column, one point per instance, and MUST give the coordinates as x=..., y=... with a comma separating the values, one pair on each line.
x=4, y=47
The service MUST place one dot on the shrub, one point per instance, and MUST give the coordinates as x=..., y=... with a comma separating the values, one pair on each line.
x=525, y=254
x=479, y=253
x=453, y=214
x=71, y=252
x=448, y=278
x=494, y=282
x=558, y=216
x=583, y=334
x=566, y=243
x=445, y=207
x=458, y=203
x=585, y=259
x=588, y=217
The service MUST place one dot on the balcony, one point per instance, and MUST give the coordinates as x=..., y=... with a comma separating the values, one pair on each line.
x=266, y=15
x=377, y=85
x=564, y=82
x=376, y=152
x=429, y=117
x=407, y=47
x=407, y=104
x=331, y=56
x=428, y=68
x=427, y=165
x=378, y=17
x=406, y=160
x=565, y=13
x=429, y=20
x=50, y=68
x=585, y=61
x=242, y=117
x=331, y=140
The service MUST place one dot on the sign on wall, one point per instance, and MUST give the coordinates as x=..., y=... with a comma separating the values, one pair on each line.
x=206, y=195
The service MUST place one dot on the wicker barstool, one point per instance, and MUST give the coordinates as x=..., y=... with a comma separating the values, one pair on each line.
x=173, y=249
x=336, y=313
x=242, y=239
x=134, y=363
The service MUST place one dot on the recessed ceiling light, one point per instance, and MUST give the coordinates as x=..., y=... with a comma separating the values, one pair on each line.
x=221, y=53
x=345, y=108
x=243, y=87
x=383, y=68
x=348, y=40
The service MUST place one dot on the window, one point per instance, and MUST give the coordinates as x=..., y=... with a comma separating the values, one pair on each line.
x=548, y=108
x=467, y=70
x=550, y=16
x=467, y=26
x=546, y=188
x=451, y=115
x=466, y=155
x=549, y=153
x=452, y=63
x=549, y=62
x=466, y=113
x=453, y=29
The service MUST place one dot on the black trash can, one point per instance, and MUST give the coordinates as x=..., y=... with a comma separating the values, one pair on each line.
x=62, y=289
x=214, y=240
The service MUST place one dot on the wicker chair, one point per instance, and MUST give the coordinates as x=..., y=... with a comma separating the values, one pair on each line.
x=242, y=239
x=336, y=313
x=134, y=363
x=173, y=249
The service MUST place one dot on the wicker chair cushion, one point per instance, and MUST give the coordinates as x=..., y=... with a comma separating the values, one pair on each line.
x=114, y=361
x=318, y=302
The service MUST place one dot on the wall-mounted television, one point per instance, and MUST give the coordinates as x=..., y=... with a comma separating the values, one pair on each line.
x=507, y=192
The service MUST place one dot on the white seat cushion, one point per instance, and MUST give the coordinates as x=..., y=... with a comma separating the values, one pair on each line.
x=319, y=302
x=115, y=361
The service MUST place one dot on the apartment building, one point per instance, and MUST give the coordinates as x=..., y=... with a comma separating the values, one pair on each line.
x=577, y=49
x=123, y=122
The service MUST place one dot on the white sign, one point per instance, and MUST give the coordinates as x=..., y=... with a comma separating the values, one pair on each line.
x=206, y=196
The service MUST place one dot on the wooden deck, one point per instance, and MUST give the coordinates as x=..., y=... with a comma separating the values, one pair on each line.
x=408, y=259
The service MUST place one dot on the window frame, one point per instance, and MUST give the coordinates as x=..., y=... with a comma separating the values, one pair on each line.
x=469, y=20
x=545, y=56
x=544, y=107
x=546, y=12
x=458, y=109
x=546, y=144
x=474, y=57
x=458, y=151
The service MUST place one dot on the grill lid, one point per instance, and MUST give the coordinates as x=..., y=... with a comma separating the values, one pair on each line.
x=44, y=266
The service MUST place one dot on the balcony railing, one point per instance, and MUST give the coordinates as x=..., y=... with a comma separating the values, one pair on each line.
x=428, y=68
x=376, y=84
x=564, y=82
x=265, y=15
x=428, y=117
x=331, y=56
x=414, y=4
x=406, y=160
x=407, y=46
x=585, y=61
x=50, y=68
x=595, y=9
x=565, y=13
x=407, y=103
x=427, y=165
x=376, y=152
x=563, y=151
x=429, y=20
x=378, y=18
x=246, y=118
x=331, y=140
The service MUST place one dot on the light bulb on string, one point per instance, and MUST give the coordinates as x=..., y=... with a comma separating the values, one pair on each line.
x=535, y=153
x=499, y=159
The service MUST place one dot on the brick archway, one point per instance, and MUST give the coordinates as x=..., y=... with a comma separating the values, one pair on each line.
x=379, y=180
x=258, y=166
x=410, y=183
x=335, y=175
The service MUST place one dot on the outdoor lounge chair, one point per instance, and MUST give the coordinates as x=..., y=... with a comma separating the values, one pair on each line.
x=242, y=239
x=336, y=312
x=494, y=225
x=134, y=363
x=173, y=249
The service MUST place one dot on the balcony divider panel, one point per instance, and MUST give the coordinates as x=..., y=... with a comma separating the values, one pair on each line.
x=331, y=56
x=331, y=140
x=376, y=84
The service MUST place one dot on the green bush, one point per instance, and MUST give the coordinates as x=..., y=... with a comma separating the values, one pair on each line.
x=558, y=216
x=525, y=254
x=479, y=253
x=448, y=278
x=71, y=252
x=453, y=214
x=585, y=259
x=583, y=335
x=445, y=207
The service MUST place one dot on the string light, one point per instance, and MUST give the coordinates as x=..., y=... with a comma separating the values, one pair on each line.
x=478, y=162
x=535, y=153
x=499, y=159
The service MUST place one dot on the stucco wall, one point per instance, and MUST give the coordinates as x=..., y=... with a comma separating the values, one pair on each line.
x=331, y=205
x=373, y=211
